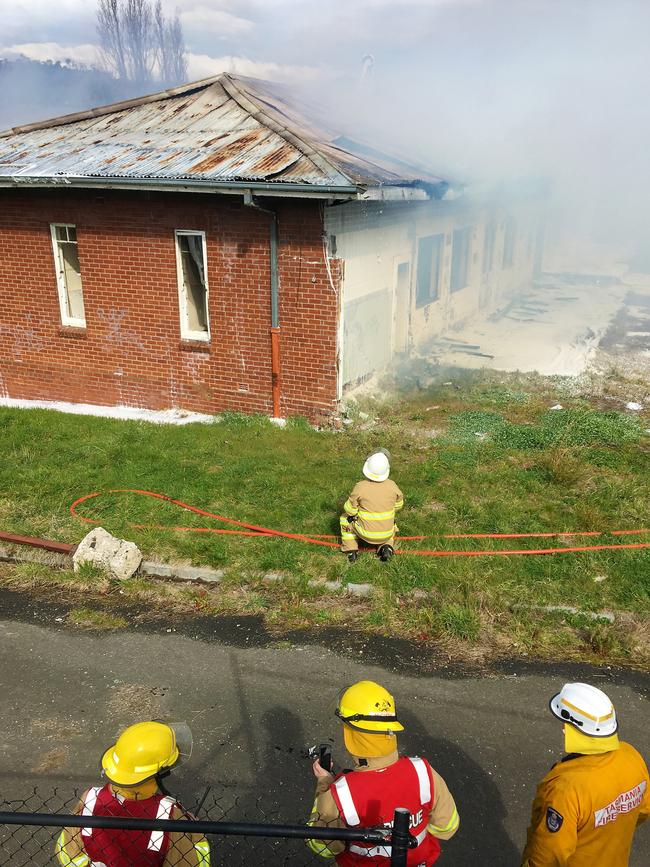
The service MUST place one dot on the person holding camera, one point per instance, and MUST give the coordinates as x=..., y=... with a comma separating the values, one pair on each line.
x=380, y=782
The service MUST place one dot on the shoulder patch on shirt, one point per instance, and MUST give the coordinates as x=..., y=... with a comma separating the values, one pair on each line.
x=553, y=820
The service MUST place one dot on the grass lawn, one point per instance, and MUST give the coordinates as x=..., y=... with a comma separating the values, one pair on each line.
x=484, y=454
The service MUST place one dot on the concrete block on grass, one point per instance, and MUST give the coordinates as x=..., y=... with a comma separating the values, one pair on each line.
x=199, y=573
x=361, y=590
x=117, y=557
x=156, y=570
x=182, y=573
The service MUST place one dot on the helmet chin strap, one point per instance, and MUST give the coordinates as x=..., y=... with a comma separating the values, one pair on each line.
x=159, y=780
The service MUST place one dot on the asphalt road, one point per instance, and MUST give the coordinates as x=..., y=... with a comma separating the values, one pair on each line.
x=254, y=704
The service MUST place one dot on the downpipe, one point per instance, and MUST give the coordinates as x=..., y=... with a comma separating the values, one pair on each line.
x=249, y=201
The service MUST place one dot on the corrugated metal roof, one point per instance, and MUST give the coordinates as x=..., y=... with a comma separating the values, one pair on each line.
x=216, y=132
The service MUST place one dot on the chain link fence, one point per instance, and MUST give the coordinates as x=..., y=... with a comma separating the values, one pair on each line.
x=44, y=828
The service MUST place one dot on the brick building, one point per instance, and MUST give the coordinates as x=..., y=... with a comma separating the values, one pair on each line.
x=210, y=248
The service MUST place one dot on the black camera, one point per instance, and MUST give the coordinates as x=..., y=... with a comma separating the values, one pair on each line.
x=323, y=752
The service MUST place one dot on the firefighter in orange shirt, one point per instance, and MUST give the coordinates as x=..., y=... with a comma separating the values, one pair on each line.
x=589, y=804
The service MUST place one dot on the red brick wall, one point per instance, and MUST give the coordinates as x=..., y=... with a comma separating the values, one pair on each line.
x=131, y=351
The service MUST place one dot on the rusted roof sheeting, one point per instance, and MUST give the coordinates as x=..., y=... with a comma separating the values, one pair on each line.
x=222, y=130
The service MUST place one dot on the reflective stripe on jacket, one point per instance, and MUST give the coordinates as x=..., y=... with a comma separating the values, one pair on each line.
x=103, y=847
x=369, y=798
x=116, y=847
x=374, y=505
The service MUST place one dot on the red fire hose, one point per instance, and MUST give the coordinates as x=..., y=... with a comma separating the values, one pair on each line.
x=246, y=529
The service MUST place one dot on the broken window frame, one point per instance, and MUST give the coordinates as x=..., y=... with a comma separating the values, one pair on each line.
x=67, y=318
x=187, y=333
x=461, y=258
x=428, y=279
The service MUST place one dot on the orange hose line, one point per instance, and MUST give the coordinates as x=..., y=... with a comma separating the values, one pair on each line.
x=508, y=551
x=253, y=530
x=264, y=531
x=519, y=535
x=628, y=532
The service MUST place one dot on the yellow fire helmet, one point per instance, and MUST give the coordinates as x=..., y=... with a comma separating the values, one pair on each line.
x=368, y=707
x=144, y=750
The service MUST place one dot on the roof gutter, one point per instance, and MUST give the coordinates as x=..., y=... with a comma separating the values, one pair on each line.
x=259, y=188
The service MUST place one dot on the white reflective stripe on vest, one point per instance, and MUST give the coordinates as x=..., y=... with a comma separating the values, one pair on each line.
x=423, y=777
x=385, y=851
x=157, y=837
x=347, y=804
x=89, y=805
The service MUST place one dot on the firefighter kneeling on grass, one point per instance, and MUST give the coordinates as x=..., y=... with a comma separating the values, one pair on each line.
x=134, y=765
x=381, y=781
x=369, y=511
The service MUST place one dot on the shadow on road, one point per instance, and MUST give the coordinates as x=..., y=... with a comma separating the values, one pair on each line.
x=481, y=838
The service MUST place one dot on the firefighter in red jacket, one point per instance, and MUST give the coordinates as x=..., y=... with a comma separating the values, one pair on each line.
x=133, y=767
x=380, y=782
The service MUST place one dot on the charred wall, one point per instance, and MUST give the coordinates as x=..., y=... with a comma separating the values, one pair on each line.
x=416, y=270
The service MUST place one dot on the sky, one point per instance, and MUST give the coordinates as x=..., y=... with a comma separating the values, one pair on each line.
x=473, y=88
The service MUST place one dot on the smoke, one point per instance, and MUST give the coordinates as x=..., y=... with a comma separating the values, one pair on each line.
x=500, y=92
x=488, y=91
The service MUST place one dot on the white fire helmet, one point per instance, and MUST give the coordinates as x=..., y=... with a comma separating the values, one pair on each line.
x=377, y=467
x=586, y=708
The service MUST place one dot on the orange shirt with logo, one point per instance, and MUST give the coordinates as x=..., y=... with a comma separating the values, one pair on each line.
x=586, y=810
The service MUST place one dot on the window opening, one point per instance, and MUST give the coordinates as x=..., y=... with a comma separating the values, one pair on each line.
x=429, y=269
x=460, y=255
x=68, y=274
x=192, y=285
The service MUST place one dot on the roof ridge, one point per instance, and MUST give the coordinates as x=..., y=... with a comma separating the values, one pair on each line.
x=249, y=103
x=122, y=105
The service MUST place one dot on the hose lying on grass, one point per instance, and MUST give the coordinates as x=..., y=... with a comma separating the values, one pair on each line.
x=325, y=541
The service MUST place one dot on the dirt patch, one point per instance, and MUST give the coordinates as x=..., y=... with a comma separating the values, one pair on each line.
x=51, y=761
x=56, y=729
x=131, y=702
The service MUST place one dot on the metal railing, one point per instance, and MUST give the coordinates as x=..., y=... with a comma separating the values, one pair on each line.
x=25, y=841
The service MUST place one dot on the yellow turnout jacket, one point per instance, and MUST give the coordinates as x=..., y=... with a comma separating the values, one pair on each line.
x=374, y=505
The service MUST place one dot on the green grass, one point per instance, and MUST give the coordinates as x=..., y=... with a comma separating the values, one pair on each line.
x=484, y=455
x=91, y=618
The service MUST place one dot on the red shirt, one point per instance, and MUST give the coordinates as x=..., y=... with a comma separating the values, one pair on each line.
x=369, y=799
x=113, y=847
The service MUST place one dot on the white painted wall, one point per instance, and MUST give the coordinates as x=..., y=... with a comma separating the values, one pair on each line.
x=373, y=238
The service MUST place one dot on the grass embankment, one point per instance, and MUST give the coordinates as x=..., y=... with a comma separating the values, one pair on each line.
x=485, y=454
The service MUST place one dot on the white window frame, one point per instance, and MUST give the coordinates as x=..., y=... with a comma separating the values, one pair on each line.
x=186, y=332
x=66, y=320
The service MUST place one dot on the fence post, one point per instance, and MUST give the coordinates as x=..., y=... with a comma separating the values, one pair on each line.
x=400, y=837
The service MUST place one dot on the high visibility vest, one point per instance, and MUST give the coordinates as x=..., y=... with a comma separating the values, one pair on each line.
x=113, y=847
x=368, y=799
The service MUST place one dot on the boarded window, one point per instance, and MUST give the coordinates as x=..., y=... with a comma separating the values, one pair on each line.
x=460, y=257
x=68, y=274
x=192, y=285
x=509, y=239
x=430, y=250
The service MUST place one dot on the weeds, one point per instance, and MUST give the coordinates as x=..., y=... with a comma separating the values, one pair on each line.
x=89, y=618
x=531, y=470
